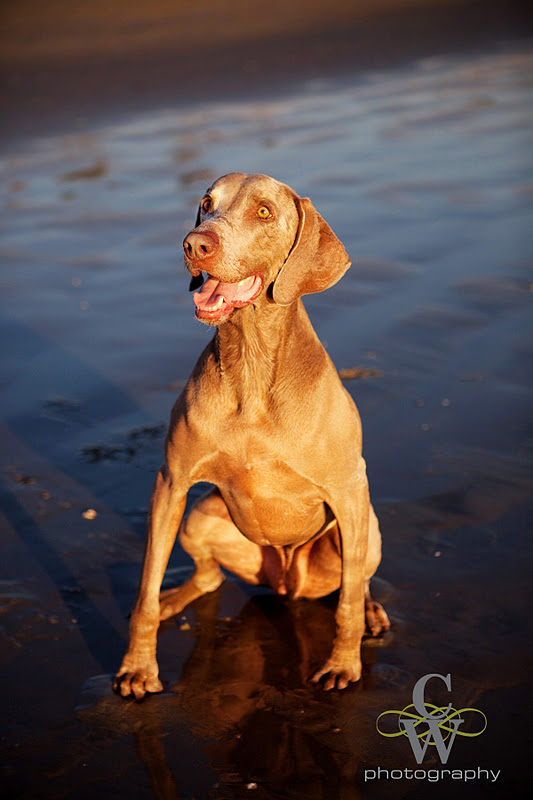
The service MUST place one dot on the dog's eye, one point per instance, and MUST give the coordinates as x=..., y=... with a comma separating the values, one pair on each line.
x=263, y=212
x=207, y=205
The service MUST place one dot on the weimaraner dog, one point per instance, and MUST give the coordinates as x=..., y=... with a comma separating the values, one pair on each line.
x=265, y=418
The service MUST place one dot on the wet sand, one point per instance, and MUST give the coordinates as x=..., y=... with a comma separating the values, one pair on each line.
x=414, y=141
x=65, y=70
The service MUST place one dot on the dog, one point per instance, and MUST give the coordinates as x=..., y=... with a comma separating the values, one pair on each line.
x=265, y=418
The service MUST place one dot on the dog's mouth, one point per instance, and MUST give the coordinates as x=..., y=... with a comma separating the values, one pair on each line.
x=217, y=299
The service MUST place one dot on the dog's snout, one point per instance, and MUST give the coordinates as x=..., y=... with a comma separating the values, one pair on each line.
x=199, y=245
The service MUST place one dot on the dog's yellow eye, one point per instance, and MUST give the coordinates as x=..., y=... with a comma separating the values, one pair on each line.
x=263, y=212
x=207, y=204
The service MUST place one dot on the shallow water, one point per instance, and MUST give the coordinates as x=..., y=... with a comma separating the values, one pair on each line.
x=425, y=174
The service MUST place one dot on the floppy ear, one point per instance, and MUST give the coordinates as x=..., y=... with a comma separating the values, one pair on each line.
x=317, y=259
x=198, y=220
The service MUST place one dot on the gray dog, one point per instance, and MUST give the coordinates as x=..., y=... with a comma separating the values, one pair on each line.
x=264, y=417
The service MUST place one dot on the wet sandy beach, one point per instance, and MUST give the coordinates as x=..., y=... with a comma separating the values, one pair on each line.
x=411, y=132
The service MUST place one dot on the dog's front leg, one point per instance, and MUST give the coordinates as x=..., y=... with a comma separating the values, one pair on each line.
x=139, y=672
x=352, y=512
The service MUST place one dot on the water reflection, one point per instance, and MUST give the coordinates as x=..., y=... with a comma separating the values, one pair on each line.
x=244, y=705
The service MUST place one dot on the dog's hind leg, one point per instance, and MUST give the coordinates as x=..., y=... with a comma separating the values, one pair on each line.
x=210, y=537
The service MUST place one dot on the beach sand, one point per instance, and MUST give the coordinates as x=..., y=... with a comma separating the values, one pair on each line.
x=409, y=127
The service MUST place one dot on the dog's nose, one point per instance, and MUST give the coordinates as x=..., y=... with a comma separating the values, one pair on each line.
x=199, y=245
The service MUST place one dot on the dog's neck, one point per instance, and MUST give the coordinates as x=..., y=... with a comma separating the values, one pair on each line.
x=251, y=349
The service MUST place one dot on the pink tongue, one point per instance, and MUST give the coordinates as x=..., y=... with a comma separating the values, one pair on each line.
x=233, y=293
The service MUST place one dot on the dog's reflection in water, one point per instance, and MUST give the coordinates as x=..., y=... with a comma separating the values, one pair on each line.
x=244, y=697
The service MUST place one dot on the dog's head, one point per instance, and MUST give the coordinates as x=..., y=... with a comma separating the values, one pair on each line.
x=258, y=242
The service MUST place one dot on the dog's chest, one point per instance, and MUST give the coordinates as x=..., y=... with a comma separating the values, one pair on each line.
x=270, y=502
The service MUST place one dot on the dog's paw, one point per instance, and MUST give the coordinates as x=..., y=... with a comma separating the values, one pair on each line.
x=337, y=673
x=137, y=680
x=376, y=617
